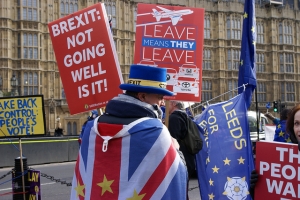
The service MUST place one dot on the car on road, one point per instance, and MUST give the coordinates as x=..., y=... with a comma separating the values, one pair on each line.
x=253, y=126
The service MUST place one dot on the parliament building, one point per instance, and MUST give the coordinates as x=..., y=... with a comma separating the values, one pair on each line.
x=28, y=65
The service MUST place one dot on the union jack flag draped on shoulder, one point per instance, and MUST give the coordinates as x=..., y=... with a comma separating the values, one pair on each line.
x=135, y=161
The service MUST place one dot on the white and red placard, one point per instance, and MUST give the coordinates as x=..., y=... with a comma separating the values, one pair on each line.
x=172, y=37
x=278, y=166
x=86, y=58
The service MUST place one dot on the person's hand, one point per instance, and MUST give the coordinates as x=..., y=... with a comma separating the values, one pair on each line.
x=267, y=114
x=253, y=178
x=253, y=181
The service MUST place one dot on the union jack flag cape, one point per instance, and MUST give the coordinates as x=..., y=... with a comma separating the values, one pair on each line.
x=135, y=161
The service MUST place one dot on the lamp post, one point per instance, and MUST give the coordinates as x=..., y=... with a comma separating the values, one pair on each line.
x=14, y=85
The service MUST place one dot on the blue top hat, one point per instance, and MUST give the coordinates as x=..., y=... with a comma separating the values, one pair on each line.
x=147, y=79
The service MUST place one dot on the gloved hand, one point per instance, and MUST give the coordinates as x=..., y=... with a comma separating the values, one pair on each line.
x=253, y=181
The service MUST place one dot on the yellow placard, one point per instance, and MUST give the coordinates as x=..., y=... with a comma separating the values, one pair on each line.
x=22, y=116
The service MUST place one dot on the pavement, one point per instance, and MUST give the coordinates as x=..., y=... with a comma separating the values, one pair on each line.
x=194, y=193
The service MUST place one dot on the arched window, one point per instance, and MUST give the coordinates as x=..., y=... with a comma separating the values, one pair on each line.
x=30, y=84
x=113, y=10
x=62, y=9
x=232, y=84
x=75, y=7
x=261, y=92
x=233, y=61
x=29, y=40
x=228, y=27
x=108, y=9
x=35, y=78
x=260, y=32
x=19, y=39
x=285, y=33
x=25, y=78
x=233, y=26
x=206, y=59
x=25, y=39
x=29, y=78
x=29, y=9
x=71, y=8
x=287, y=92
x=67, y=8
x=286, y=62
x=35, y=40
x=74, y=128
x=260, y=62
x=207, y=27
x=69, y=128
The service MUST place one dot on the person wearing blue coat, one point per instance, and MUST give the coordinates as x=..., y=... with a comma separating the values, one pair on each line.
x=280, y=133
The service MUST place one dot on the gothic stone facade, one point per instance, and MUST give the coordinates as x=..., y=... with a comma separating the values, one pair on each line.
x=26, y=50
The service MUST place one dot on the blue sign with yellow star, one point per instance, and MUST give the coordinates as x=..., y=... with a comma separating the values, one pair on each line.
x=226, y=161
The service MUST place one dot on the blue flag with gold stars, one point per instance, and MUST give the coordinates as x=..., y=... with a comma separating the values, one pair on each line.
x=225, y=162
x=247, y=70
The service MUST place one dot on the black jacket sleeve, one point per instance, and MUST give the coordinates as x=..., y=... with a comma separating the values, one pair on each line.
x=253, y=181
x=177, y=125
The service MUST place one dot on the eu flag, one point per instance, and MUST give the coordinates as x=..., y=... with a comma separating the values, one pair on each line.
x=225, y=162
x=247, y=71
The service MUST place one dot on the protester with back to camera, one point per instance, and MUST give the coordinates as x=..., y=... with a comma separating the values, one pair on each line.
x=293, y=129
x=127, y=153
x=280, y=132
x=178, y=129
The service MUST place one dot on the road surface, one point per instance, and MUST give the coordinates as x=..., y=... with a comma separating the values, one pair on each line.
x=55, y=191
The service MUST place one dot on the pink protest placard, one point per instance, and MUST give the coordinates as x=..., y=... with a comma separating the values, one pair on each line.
x=172, y=37
x=279, y=173
x=86, y=58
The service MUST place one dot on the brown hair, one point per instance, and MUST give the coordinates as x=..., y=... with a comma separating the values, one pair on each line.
x=284, y=114
x=290, y=123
